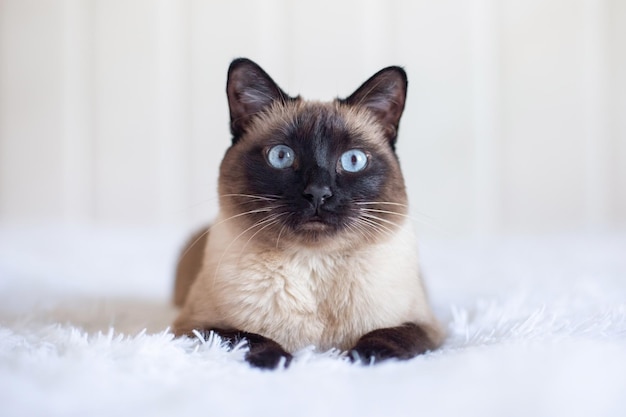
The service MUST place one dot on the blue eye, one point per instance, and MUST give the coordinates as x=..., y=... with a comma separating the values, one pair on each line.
x=353, y=160
x=280, y=156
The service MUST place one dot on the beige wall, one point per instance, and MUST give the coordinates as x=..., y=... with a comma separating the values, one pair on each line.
x=114, y=112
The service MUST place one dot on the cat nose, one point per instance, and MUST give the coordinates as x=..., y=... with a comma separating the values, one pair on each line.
x=317, y=194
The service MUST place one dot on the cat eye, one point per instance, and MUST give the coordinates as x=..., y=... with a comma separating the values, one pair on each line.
x=280, y=156
x=353, y=160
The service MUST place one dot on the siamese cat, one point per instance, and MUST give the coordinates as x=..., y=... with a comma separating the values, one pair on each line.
x=312, y=245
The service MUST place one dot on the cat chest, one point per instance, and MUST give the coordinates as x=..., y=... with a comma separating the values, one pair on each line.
x=300, y=286
x=299, y=300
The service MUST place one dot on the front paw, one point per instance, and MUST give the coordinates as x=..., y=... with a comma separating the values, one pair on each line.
x=268, y=358
x=401, y=342
x=263, y=352
x=371, y=351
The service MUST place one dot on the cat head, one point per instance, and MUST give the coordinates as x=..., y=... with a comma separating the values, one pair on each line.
x=313, y=173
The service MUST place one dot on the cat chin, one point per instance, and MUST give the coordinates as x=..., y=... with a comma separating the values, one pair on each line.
x=314, y=235
x=322, y=238
x=322, y=242
x=315, y=226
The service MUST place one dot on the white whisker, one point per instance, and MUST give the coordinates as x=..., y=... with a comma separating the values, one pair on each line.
x=206, y=232
x=417, y=217
x=261, y=222
x=377, y=226
x=373, y=203
x=385, y=212
x=282, y=229
x=380, y=219
x=272, y=220
x=264, y=197
x=363, y=229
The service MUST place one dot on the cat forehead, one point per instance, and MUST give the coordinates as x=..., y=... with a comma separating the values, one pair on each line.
x=307, y=119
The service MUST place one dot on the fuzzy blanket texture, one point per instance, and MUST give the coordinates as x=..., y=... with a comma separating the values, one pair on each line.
x=536, y=327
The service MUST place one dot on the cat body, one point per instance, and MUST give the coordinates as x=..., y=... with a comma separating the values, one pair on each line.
x=312, y=245
x=299, y=297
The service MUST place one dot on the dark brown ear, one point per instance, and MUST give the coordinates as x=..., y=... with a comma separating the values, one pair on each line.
x=250, y=90
x=384, y=94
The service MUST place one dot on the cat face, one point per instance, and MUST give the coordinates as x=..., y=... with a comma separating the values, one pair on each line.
x=313, y=173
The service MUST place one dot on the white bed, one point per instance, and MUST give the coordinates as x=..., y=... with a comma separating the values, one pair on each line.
x=537, y=327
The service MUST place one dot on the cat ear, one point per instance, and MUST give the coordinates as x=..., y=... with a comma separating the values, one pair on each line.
x=384, y=94
x=250, y=91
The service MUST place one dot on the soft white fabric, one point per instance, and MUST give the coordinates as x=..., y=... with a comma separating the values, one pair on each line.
x=537, y=327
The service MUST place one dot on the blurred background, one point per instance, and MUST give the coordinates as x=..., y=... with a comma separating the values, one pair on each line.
x=114, y=113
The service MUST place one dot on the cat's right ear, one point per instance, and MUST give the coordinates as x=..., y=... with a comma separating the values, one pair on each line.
x=250, y=91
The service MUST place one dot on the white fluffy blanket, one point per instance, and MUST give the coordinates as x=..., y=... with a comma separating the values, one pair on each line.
x=537, y=327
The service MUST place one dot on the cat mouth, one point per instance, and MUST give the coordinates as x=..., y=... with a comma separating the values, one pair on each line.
x=315, y=224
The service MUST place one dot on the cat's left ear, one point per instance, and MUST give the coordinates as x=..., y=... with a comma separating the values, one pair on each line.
x=250, y=91
x=384, y=94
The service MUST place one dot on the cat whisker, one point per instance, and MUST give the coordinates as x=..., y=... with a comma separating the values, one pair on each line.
x=362, y=228
x=264, y=197
x=377, y=223
x=192, y=206
x=395, y=213
x=373, y=203
x=266, y=209
x=272, y=220
x=261, y=222
x=372, y=221
x=247, y=200
x=282, y=229
x=258, y=223
x=380, y=219
x=381, y=222
x=206, y=232
x=373, y=231
x=422, y=219
x=407, y=216
x=255, y=211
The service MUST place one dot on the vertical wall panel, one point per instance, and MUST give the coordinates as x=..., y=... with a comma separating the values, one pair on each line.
x=172, y=88
x=595, y=79
x=485, y=36
x=543, y=116
x=208, y=126
x=78, y=133
x=273, y=40
x=114, y=111
x=218, y=35
x=127, y=142
x=376, y=26
x=436, y=139
x=617, y=79
x=331, y=53
x=31, y=111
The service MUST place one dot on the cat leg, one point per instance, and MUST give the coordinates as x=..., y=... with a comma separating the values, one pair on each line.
x=402, y=342
x=189, y=264
x=263, y=352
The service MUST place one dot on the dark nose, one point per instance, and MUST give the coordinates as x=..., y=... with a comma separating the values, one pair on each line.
x=317, y=194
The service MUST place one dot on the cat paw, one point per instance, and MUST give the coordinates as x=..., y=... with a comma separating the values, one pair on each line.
x=269, y=358
x=401, y=342
x=368, y=353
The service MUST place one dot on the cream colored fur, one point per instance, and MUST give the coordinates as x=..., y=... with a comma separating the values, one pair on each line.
x=323, y=296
